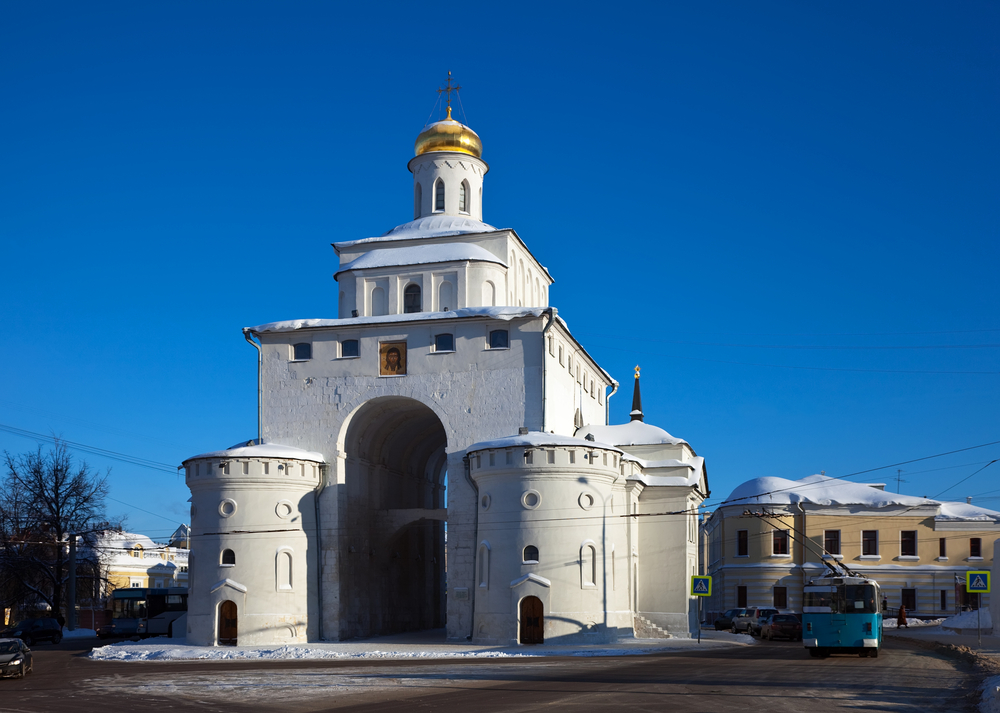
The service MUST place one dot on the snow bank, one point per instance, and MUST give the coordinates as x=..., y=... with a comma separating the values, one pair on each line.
x=911, y=623
x=969, y=620
x=164, y=649
x=990, y=700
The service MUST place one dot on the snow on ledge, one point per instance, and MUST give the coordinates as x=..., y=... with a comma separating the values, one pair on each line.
x=502, y=313
x=421, y=255
x=264, y=450
x=538, y=439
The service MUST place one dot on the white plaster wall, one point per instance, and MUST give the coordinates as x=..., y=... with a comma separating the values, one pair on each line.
x=267, y=612
x=452, y=168
x=477, y=393
x=574, y=611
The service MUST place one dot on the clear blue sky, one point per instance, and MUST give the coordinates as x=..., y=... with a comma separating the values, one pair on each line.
x=787, y=213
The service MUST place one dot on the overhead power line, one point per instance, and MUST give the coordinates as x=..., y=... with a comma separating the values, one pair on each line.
x=94, y=450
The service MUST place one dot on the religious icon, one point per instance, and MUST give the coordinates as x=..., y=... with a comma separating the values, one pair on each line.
x=392, y=358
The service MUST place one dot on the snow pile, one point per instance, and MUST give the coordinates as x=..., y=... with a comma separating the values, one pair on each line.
x=911, y=623
x=969, y=620
x=164, y=649
x=421, y=255
x=990, y=701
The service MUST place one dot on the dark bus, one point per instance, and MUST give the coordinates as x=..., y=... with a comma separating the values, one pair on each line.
x=141, y=611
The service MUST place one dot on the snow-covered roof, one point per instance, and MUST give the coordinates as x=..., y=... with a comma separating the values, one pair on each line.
x=504, y=313
x=817, y=490
x=966, y=512
x=538, y=439
x=432, y=226
x=634, y=433
x=249, y=449
x=421, y=255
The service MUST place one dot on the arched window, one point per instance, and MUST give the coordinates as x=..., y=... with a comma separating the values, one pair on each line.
x=484, y=565
x=489, y=294
x=228, y=557
x=530, y=555
x=283, y=569
x=439, y=195
x=463, y=197
x=588, y=565
x=411, y=299
x=379, y=304
x=418, y=197
x=446, y=297
x=302, y=351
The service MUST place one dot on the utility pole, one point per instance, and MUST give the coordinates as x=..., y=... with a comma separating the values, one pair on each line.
x=71, y=586
x=899, y=479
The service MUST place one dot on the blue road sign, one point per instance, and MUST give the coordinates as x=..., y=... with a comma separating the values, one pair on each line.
x=977, y=582
x=701, y=586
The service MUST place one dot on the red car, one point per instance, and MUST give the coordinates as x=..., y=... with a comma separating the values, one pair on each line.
x=787, y=626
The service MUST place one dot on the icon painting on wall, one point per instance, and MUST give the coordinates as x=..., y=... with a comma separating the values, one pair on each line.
x=392, y=358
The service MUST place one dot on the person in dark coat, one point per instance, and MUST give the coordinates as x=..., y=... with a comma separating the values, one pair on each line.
x=901, y=619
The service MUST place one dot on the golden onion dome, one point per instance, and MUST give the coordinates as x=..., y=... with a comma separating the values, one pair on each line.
x=448, y=135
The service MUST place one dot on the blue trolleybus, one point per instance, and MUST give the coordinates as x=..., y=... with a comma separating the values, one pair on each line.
x=842, y=615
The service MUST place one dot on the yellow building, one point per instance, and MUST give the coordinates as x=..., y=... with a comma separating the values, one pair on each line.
x=133, y=560
x=772, y=535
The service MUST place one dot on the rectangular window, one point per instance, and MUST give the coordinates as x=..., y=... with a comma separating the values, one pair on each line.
x=572, y=456
x=831, y=542
x=527, y=456
x=781, y=597
x=943, y=547
x=975, y=547
x=869, y=542
x=550, y=456
x=493, y=458
x=499, y=339
x=944, y=600
x=444, y=342
x=561, y=356
x=779, y=542
x=742, y=543
x=349, y=348
x=741, y=597
x=510, y=457
x=909, y=599
x=552, y=346
x=908, y=543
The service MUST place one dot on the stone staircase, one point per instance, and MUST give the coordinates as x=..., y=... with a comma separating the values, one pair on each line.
x=645, y=629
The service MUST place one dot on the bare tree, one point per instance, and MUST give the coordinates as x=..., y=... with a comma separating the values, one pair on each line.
x=45, y=498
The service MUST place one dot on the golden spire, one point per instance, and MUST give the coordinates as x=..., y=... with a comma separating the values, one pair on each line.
x=637, y=371
x=447, y=92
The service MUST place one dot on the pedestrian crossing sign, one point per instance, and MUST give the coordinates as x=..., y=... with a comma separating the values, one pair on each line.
x=977, y=582
x=701, y=586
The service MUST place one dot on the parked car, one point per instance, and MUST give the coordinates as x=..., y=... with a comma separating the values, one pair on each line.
x=31, y=631
x=749, y=621
x=726, y=620
x=15, y=658
x=785, y=626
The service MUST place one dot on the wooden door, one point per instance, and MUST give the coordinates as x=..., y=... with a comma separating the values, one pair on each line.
x=227, y=623
x=532, y=621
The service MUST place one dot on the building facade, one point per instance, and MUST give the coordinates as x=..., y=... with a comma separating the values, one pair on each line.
x=446, y=367
x=772, y=535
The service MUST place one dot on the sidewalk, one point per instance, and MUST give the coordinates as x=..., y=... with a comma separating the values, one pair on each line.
x=937, y=634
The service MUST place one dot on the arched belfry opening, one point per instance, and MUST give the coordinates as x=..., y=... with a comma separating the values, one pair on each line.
x=393, y=514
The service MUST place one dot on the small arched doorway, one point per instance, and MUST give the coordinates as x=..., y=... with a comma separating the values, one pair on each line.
x=227, y=623
x=532, y=621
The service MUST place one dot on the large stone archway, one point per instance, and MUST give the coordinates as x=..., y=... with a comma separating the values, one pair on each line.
x=392, y=516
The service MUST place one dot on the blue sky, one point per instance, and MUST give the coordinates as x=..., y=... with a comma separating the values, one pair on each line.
x=786, y=213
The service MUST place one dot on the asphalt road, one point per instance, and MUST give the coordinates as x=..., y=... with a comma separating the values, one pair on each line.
x=770, y=676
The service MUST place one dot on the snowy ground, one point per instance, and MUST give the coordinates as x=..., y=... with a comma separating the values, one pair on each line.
x=164, y=649
x=912, y=623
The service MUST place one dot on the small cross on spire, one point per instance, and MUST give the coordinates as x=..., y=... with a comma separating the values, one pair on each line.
x=447, y=92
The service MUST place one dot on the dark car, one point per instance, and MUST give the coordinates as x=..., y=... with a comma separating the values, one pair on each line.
x=754, y=627
x=15, y=658
x=749, y=621
x=726, y=620
x=31, y=631
x=785, y=626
